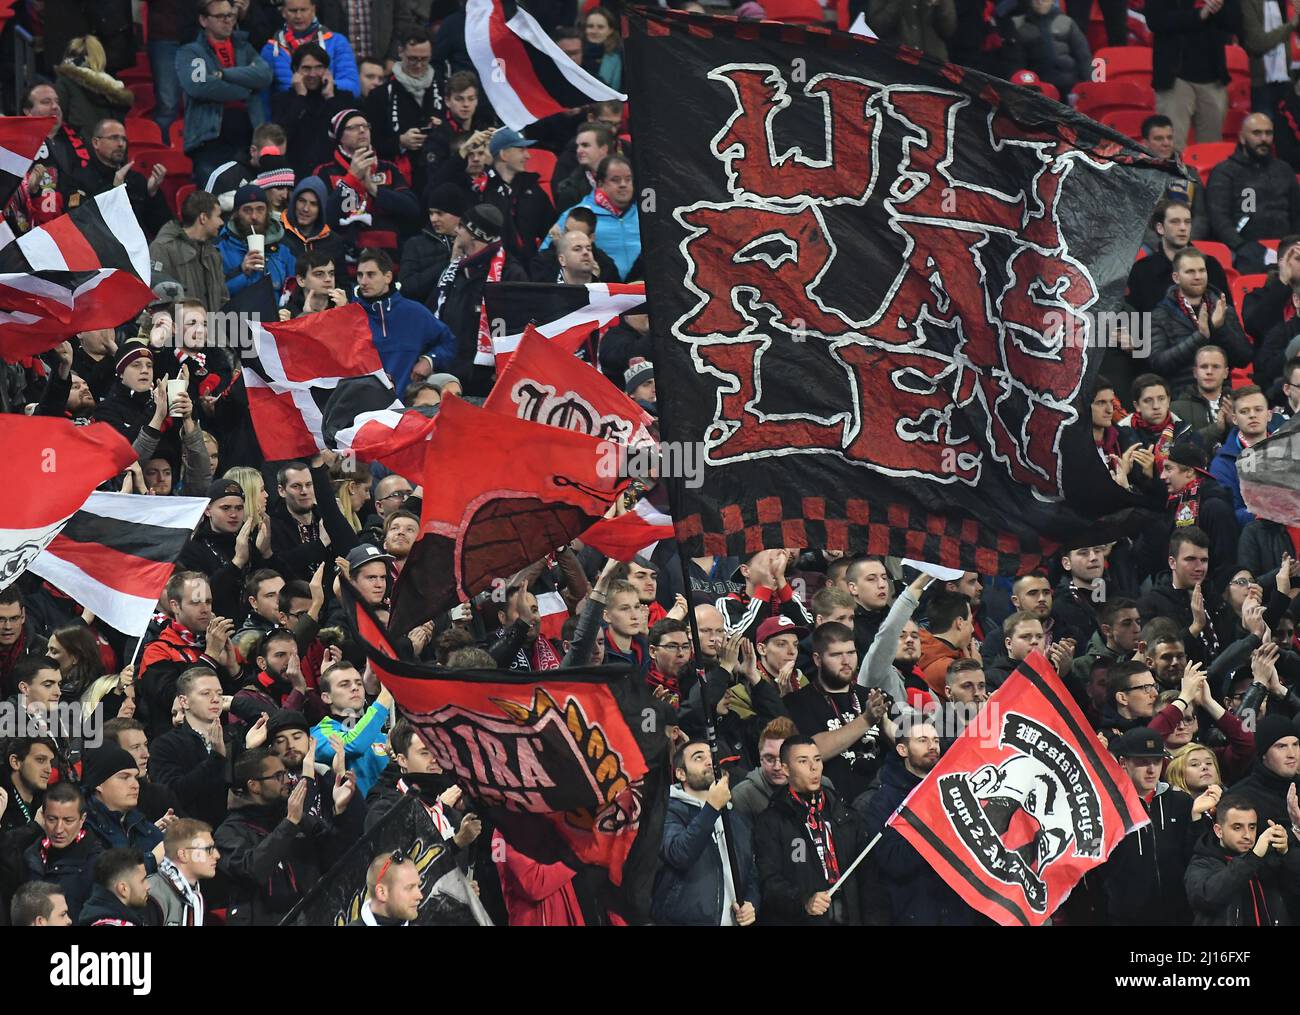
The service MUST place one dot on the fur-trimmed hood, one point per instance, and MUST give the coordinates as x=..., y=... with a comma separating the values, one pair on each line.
x=97, y=81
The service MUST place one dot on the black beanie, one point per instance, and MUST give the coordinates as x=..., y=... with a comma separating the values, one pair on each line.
x=1270, y=730
x=101, y=764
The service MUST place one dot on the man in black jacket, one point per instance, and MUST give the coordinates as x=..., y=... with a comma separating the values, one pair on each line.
x=1198, y=500
x=1148, y=279
x=306, y=109
x=62, y=851
x=426, y=256
x=804, y=842
x=273, y=849
x=1143, y=878
x=190, y=759
x=407, y=106
x=121, y=894
x=1182, y=594
x=108, y=167
x=1189, y=66
x=1271, y=784
x=1131, y=693
x=300, y=518
x=1240, y=872
x=1263, y=309
x=225, y=546
x=1252, y=195
x=525, y=207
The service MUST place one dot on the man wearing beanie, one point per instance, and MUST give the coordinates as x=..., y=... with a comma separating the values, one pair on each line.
x=308, y=105
x=277, y=181
x=111, y=781
x=243, y=267
x=220, y=74
x=478, y=258
x=425, y=257
x=365, y=191
x=1271, y=784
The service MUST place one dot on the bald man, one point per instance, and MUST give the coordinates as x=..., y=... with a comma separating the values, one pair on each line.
x=1252, y=196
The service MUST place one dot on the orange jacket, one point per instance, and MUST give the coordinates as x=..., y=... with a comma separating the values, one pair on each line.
x=936, y=656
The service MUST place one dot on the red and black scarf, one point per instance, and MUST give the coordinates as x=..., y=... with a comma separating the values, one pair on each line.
x=656, y=678
x=1186, y=504
x=818, y=825
x=1162, y=435
x=602, y=199
x=45, y=846
x=224, y=51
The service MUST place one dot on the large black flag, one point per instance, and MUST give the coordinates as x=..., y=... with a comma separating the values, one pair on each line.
x=874, y=281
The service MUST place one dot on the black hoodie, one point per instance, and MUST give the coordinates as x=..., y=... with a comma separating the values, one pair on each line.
x=1240, y=890
x=104, y=909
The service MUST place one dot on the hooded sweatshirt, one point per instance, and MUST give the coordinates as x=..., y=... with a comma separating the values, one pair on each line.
x=233, y=244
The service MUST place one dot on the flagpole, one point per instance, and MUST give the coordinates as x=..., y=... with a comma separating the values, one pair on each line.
x=861, y=856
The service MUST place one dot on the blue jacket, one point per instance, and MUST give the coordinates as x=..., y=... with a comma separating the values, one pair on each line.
x=343, y=62
x=618, y=236
x=234, y=248
x=1224, y=469
x=918, y=897
x=363, y=745
x=206, y=94
x=117, y=831
x=688, y=889
x=403, y=331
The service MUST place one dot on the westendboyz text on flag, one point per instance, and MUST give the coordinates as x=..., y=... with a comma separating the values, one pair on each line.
x=59, y=464
x=1269, y=471
x=563, y=761
x=567, y=315
x=336, y=900
x=85, y=270
x=500, y=493
x=871, y=279
x=544, y=383
x=1012, y=825
x=21, y=138
x=116, y=553
x=525, y=75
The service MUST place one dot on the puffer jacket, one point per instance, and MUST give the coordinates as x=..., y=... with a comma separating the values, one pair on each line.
x=104, y=909
x=1274, y=193
x=689, y=888
x=1143, y=878
x=343, y=62
x=618, y=235
x=925, y=26
x=1224, y=469
x=1175, y=339
x=1064, y=59
x=1261, y=548
x=206, y=94
x=120, y=831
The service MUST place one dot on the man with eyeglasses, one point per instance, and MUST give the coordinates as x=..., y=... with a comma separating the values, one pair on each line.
x=1178, y=720
x=17, y=641
x=220, y=72
x=1131, y=692
x=273, y=848
x=1142, y=881
x=109, y=166
x=393, y=893
x=670, y=654
x=391, y=494
x=406, y=107
x=189, y=857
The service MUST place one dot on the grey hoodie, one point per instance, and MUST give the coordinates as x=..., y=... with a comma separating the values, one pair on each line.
x=751, y=796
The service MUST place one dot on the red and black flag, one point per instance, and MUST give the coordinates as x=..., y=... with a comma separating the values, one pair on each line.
x=115, y=554
x=525, y=74
x=21, y=138
x=1023, y=804
x=876, y=284
x=500, y=493
x=544, y=383
x=570, y=764
x=1269, y=471
x=567, y=315
x=85, y=270
x=53, y=465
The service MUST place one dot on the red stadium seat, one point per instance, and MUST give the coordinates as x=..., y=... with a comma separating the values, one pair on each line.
x=1127, y=121
x=144, y=98
x=140, y=130
x=795, y=12
x=1244, y=284
x=382, y=239
x=1126, y=93
x=182, y=193
x=1233, y=120
x=1238, y=62
x=1123, y=61
x=176, y=135
x=1220, y=252
x=542, y=163
x=1205, y=157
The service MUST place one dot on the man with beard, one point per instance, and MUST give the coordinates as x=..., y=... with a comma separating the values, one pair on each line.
x=1190, y=315
x=967, y=691
x=120, y=897
x=29, y=763
x=1252, y=178
x=66, y=393
x=521, y=646
x=279, y=683
x=401, y=530
x=227, y=543
x=393, y=892
x=1080, y=595
x=65, y=852
x=842, y=718
x=273, y=848
x=108, y=167
x=244, y=266
x=693, y=887
x=190, y=759
x=868, y=583
x=1143, y=878
x=361, y=728
x=918, y=897
x=1164, y=653
x=805, y=841
x=895, y=649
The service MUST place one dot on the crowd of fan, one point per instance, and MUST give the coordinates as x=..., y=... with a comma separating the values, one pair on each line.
x=250, y=744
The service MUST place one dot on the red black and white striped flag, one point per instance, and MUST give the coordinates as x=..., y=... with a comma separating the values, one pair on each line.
x=115, y=555
x=393, y=437
x=565, y=314
x=21, y=138
x=85, y=270
x=54, y=466
x=636, y=533
x=525, y=74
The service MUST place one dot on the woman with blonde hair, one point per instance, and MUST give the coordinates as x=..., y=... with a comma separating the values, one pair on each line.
x=250, y=481
x=1193, y=768
x=352, y=489
x=87, y=92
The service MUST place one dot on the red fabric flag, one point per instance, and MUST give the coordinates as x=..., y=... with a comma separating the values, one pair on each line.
x=630, y=534
x=1024, y=803
x=499, y=494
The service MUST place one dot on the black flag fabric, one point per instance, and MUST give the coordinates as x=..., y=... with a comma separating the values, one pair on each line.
x=875, y=283
x=1269, y=471
x=570, y=764
x=336, y=899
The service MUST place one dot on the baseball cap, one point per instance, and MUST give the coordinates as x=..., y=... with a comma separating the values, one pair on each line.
x=507, y=138
x=1189, y=455
x=224, y=488
x=1026, y=77
x=1139, y=742
x=773, y=626
x=365, y=554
